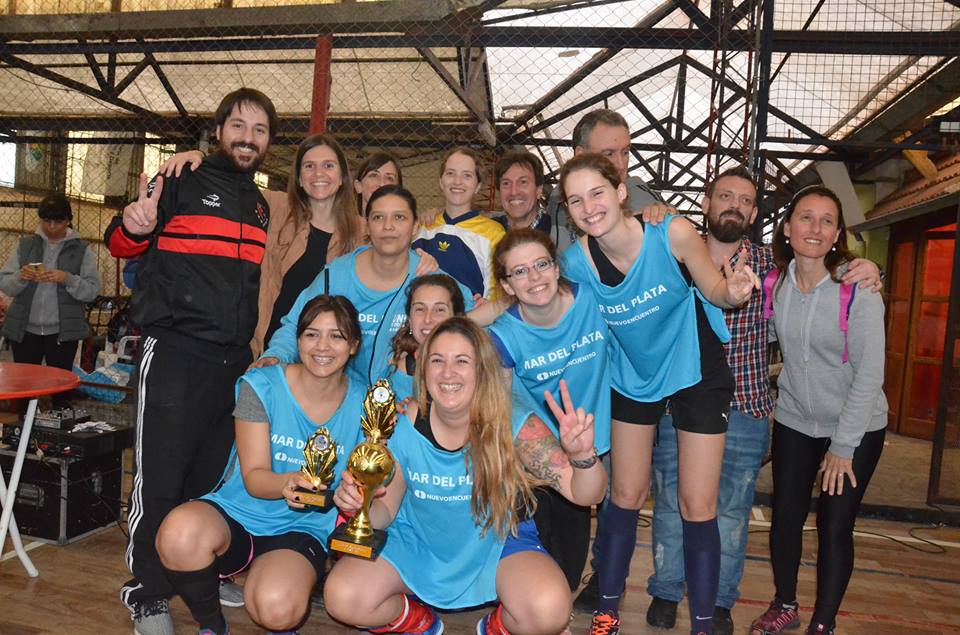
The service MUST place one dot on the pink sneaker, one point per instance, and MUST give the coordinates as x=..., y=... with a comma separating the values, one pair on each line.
x=779, y=617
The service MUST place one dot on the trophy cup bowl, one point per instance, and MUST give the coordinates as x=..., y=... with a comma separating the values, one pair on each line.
x=371, y=465
x=319, y=456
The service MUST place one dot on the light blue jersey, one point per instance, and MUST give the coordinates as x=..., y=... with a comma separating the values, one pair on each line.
x=434, y=543
x=576, y=349
x=381, y=315
x=289, y=429
x=652, y=315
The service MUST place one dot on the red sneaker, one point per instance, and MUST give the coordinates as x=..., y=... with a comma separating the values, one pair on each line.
x=779, y=617
x=490, y=624
x=417, y=619
x=605, y=623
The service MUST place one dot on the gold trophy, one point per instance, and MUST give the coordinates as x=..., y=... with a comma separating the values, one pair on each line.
x=319, y=455
x=370, y=464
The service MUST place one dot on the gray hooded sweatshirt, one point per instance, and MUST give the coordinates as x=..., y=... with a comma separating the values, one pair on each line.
x=820, y=396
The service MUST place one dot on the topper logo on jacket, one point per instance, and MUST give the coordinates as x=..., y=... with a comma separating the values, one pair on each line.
x=211, y=200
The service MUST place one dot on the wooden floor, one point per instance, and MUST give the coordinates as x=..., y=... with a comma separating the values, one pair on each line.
x=895, y=589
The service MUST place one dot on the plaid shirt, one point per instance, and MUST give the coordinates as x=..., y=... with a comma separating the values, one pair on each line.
x=747, y=349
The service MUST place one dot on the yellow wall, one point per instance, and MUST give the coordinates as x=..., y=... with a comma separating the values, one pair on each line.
x=876, y=241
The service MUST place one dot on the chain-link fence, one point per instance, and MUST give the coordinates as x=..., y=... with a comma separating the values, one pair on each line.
x=94, y=91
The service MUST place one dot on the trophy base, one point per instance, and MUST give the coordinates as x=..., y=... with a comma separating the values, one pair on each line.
x=322, y=500
x=367, y=548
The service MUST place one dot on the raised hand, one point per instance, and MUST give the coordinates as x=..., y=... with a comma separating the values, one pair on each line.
x=140, y=216
x=655, y=213
x=865, y=272
x=741, y=280
x=175, y=164
x=576, y=425
x=429, y=217
x=427, y=265
x=263, y=361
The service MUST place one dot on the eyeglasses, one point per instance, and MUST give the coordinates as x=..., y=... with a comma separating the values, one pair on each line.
x=519, y=273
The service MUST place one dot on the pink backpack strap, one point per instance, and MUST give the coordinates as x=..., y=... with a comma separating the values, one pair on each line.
x=769, y=281
x=847, y=291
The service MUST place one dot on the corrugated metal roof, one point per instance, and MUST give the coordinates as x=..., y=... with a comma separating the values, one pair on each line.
x=831, y=94
x=922, y=190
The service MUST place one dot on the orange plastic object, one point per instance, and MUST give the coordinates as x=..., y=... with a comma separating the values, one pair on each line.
x=25, y=381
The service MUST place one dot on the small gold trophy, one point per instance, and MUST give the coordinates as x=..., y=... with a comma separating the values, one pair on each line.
x=319, y=455
x=370, y=464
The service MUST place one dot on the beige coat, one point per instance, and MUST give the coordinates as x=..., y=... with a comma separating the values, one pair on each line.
x=285, y=245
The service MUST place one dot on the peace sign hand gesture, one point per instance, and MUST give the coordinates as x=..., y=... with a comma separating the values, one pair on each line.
x=741, y=280
x=140, y=216
x=576, y=425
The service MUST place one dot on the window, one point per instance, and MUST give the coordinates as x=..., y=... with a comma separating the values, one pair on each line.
x=79, y=185
x=154, y=154
x=8, y=164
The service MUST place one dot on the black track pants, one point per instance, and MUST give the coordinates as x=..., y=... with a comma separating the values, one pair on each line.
x=185, y=400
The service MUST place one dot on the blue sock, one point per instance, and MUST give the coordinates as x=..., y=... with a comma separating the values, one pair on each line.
x=701, y=566
x=618, y=539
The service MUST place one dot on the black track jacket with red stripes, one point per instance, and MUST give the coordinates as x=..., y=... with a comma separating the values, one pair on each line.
x=200, y=273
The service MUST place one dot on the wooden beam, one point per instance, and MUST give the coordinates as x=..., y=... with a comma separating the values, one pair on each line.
x=301, y=19
x=486, y=127
x=146, y=115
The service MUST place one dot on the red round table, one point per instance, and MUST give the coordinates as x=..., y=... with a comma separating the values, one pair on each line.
x=25, y=381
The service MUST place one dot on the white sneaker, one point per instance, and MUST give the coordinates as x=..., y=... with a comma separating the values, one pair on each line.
x=231, y=593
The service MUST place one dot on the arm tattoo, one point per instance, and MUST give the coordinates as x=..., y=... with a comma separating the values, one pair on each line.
x=533, y=429
x=540, y=452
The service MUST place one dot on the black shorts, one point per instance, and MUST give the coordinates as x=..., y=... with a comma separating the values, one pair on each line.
x=244, y=546
x=703, y=407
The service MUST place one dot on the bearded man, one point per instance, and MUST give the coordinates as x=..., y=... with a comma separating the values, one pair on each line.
x=202, y=237
x=729, y=209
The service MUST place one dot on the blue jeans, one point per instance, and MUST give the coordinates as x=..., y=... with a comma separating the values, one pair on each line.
x=746, y=445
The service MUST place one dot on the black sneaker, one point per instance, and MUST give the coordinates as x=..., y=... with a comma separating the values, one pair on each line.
x=722, y=622
x=819, y=629
x=589, y=598
x=662, y=613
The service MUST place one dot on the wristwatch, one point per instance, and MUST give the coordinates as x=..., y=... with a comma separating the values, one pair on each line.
x=585, y=464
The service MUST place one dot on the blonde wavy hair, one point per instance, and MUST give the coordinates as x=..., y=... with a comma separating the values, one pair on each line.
x=501, y=485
